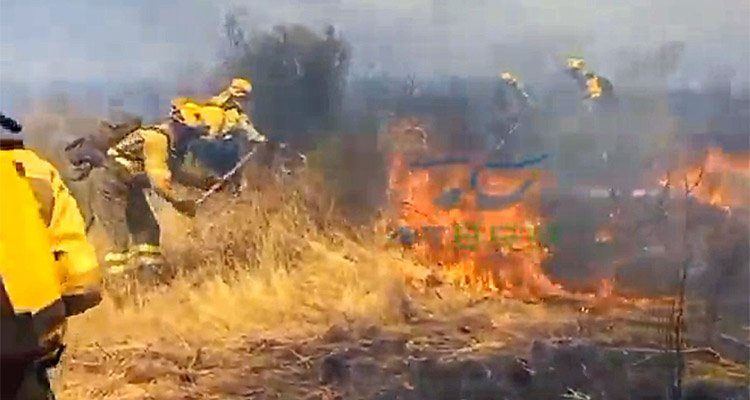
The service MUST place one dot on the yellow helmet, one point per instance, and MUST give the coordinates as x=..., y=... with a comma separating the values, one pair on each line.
x=576, y=63
x=508, y=77
x=240, y=87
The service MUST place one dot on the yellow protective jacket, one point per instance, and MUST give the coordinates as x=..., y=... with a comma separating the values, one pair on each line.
x=196, y=115
x=593, y=87
x=146, y=151
x=30, y=283
x=76, y=266
x=150, y=151
x=220, y=115
x=576, y=63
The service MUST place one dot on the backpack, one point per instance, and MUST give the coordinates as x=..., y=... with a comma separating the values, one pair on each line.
x=197, y=115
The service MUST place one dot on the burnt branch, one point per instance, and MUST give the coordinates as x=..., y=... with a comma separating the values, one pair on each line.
x=678, y=322
x=690, y=188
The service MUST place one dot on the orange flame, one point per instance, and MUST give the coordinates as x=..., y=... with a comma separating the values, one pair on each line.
x=721, y=179
x=492, y=250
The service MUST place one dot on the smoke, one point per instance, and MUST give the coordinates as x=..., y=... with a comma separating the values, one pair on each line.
x=657, y=64
x=86, y=40
x=180, y=42
x=44, y=40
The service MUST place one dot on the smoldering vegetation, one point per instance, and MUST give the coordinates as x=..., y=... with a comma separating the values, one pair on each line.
x=566, y=369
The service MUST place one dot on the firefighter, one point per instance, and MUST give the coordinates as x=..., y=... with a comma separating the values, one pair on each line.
x=49, y=271
x=599, y=91
x=517, y=90
x=146, y=158
x=577, y=69
x=593, y=86
x=221, y=115
x=235, y=118
x=57, y=206
x=511, y=101
x=576, y=64
x=224, y=119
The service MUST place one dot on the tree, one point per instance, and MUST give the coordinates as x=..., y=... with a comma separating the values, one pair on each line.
x=298, y=76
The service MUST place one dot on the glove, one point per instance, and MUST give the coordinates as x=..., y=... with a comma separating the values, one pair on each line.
x=81, y=171
x=254, y=136
x=186, y=207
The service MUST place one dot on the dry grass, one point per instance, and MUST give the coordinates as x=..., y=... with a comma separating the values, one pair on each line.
x=270, y=262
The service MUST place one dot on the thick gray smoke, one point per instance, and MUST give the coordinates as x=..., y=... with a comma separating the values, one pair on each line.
x=42, y=40
x=639, y=43
x=658, y=64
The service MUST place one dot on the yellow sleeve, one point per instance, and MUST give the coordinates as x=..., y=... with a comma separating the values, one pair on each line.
x=220, y=99
x=595, y=89
x=76, y=257
x=237, y=118
x=156, y=153
x=25, y=260
x=232, y=119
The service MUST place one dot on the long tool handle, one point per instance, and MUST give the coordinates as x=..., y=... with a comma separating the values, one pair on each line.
x=510, y=132
x=225, y=177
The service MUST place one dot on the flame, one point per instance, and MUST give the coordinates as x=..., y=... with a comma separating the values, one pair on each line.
x=493, y=250
x=606, y=289
x=604, y=234
x=721, y=179
x=720, y=189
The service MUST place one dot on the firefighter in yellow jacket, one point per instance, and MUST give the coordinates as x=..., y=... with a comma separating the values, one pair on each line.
x=229, y=101
x=221, y=115
x=145, y=158
x=224, y=120
x=49, y=271
x=576, y=68
x=597, y=89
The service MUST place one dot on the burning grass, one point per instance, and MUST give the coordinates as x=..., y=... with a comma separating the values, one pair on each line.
x=276, y=262
x=725, y=178
x=272, y=263
x=263, y=279
x=494, y=248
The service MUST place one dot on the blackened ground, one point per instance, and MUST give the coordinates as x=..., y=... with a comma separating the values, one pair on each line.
x=490, y=349
x=645, y=253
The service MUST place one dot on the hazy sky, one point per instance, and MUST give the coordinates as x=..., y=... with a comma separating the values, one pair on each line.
x=42, y=40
